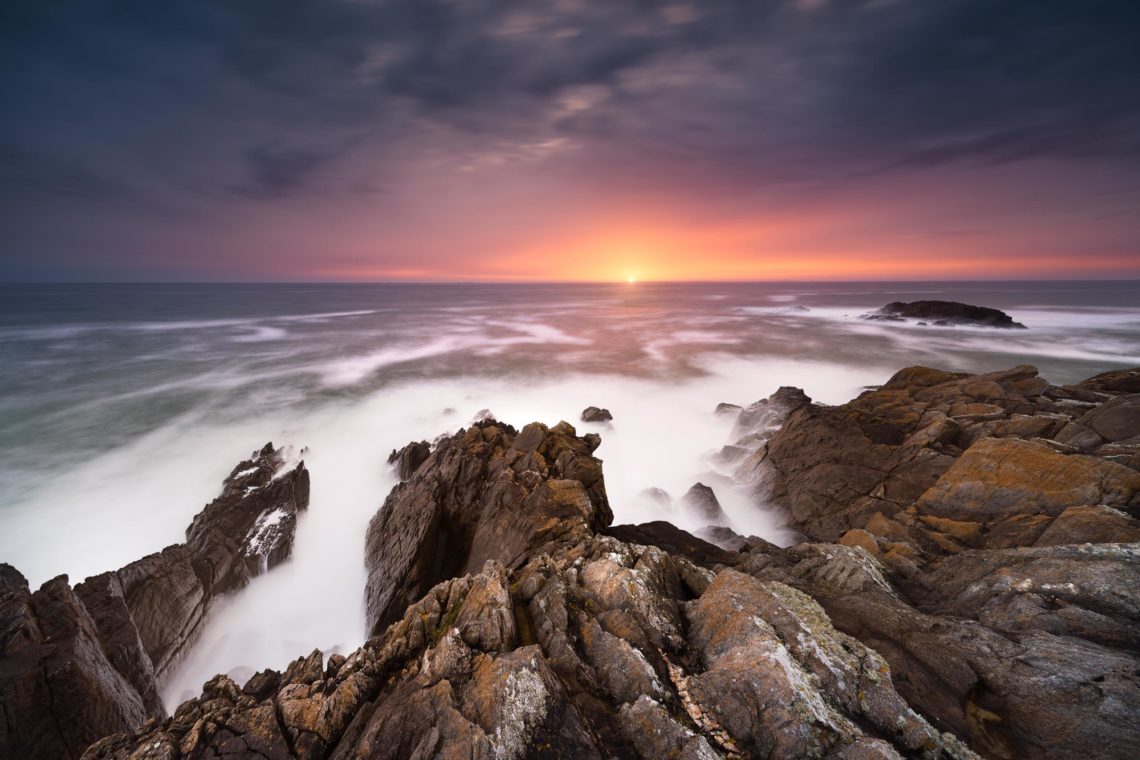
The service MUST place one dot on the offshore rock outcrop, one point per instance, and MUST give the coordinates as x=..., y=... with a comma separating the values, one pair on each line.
x=943, y=313
x=79, y=663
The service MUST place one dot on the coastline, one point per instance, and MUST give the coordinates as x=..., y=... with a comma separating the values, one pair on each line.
x=952, y=525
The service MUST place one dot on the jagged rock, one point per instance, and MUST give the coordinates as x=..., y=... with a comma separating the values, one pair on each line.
x=561, y=640
x=118, y=631
x=728, y=539
x=770, y=412
x=165, y=597
x=488, y=492
x=701, y=501
x=670, y=538
x=944, y=313
x=77, y=664
x=1082, y=591
x=596, y=414
x=58, y=689
x=835, y=468
x=658, y=497
x=408, y=459
x=250, y=527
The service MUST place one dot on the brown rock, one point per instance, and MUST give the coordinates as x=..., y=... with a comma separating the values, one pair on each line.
x=487, y=493
x=408, y=459
x=1091, y=525
x=596, y=414
x=999, y=477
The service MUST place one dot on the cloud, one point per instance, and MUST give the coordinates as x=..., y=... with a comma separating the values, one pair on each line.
x=279, y=172
x=207, y=104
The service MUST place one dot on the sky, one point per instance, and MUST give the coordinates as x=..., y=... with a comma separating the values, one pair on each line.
x=376, y=140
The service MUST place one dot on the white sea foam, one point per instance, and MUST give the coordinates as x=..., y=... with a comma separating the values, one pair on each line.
x=258, y=333
x=198, y=324
x=136, y=499
x=356, y=369
x=353, y=370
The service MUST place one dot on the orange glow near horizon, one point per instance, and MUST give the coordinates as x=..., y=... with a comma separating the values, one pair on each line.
x=828, y=245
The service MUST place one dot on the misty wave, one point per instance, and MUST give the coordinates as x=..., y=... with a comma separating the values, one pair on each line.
x=664, y=435
x=353, y=370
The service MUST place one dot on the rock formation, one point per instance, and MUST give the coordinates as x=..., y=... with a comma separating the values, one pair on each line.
x=966, y=588
x=942, y=313
x=531, y=633
x=77, y=664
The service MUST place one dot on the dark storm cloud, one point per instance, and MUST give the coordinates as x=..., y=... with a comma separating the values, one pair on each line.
x=276, y=172
x=199, y=102
x=855, y=82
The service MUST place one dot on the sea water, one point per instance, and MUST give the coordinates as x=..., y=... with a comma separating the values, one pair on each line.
x=122, y=407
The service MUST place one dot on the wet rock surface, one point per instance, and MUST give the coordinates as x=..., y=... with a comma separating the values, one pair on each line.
x=79, y=663
x=942, y=313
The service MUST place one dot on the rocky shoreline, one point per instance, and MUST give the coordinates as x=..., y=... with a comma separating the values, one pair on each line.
x=964, y=586
x=79, y=663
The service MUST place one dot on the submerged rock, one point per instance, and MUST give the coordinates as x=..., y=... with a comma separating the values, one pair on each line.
x=596, y=414
x=701, y=502
x=944, y=313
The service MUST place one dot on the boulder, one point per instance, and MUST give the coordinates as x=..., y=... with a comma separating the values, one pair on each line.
x=1115, y=420
x=1114, y=382
x=596, y=414
x=1002, y=477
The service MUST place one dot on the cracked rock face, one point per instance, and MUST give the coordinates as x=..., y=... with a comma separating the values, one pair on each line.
x=77, y=664
x=489, y=492
x=956, y=460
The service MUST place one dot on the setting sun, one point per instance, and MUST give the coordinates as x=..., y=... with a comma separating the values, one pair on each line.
x=631, y=279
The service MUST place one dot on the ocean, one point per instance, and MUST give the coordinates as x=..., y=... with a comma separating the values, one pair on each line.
x=122, y=407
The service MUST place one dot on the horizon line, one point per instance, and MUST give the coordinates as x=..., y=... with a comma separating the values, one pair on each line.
x=626, y=283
